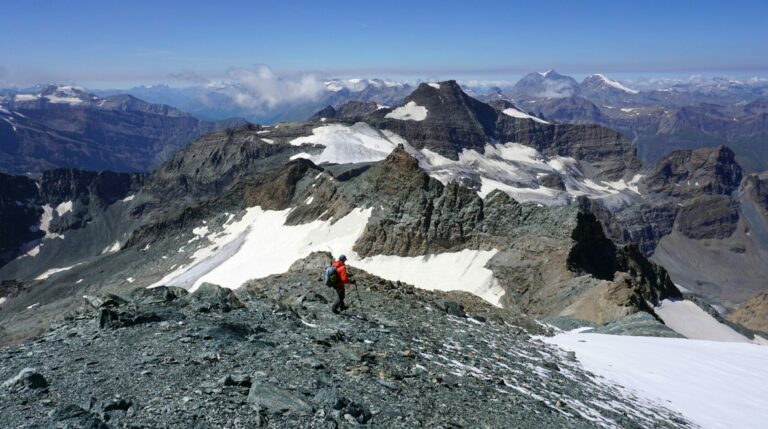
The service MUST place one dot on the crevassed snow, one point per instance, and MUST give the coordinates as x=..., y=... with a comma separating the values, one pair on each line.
x=518, y=114
x=464, y=271
x=346, y=144
x=714, y=384
x=688, y=319
x=617, y=85
x=53, y=271
x=64, y=208
x=409, y=112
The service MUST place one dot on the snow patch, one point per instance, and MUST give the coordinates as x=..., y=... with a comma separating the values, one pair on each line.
x=128, y=198
x=463, y=271
x=268, y=141
x=2, y=300
x=112, y=248
x=64, y=208
x=56, y=99
x=714, y=384
x=617, y=85
x=347, y=144
x=26, y=97
x=688, y=319
x=522, y=115
x=53, y=271
x=409, y=112
x=303, y=155
x=434, y=85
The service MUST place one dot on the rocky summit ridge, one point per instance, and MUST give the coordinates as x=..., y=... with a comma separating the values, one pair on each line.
x=400, y=357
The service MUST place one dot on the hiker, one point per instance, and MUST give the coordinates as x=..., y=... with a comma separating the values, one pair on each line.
x=342, y=280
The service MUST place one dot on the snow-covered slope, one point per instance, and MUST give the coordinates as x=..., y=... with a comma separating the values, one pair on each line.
x=240, y=253
x=717, y=385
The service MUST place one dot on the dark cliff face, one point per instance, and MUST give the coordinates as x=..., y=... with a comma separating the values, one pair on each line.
x=689, y=173
x=88, y=194
x=19, y=215
x=104, y=187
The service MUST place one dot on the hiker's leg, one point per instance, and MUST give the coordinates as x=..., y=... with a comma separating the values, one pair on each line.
x=339, y=299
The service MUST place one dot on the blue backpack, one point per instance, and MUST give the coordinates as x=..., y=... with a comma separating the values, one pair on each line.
x=331, y=276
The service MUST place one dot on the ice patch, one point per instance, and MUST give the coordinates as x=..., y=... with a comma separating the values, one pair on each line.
x=518, y=114
x=409, y=112
x=714, y=384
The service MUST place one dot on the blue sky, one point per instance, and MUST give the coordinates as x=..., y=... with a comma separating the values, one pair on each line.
x=103, y=43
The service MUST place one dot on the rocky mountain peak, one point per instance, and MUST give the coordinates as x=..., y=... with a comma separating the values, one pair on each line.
x=700, y=171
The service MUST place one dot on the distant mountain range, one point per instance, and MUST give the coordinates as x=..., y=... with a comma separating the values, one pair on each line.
x=64, y=126
x=660, y=116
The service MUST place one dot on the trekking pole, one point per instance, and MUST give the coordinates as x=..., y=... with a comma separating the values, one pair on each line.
x=358, y=294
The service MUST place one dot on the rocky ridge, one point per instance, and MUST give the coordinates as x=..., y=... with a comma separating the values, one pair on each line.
x=400, y=357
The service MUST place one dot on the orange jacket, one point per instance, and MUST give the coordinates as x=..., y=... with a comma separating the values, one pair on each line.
x=342, y=270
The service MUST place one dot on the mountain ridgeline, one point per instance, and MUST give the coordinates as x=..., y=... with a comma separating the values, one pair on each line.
x=65, y=127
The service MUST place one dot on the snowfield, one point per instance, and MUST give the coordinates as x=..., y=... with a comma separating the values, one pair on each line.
x=410, y=112
x=714, y=384
x=238, y=254
x=348, y=144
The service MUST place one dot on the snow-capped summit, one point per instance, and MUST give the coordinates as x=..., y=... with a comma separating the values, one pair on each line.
x=599, y=82
x=548, y=84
